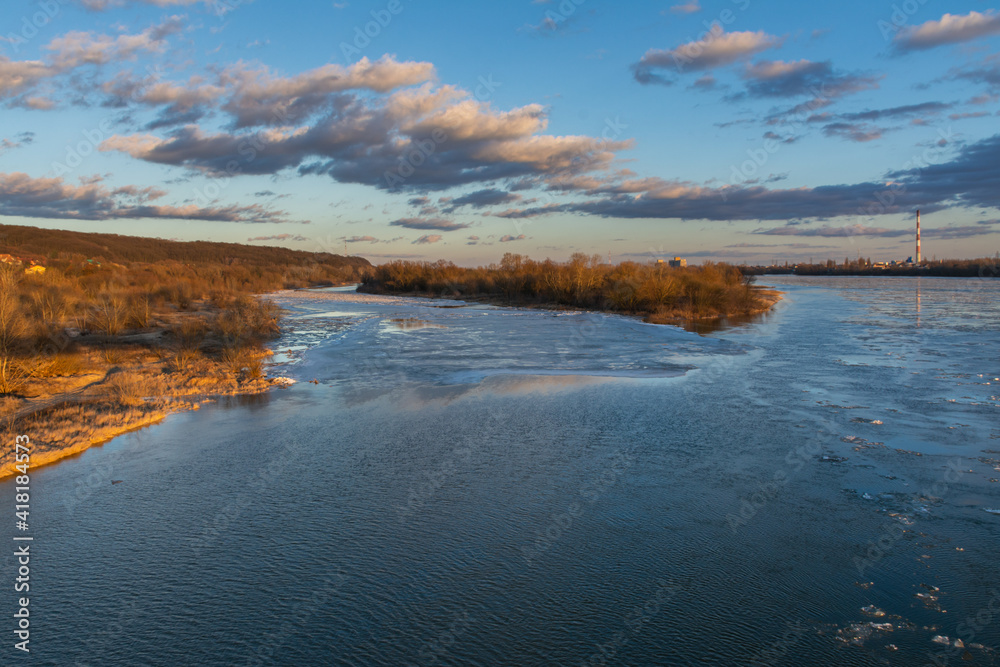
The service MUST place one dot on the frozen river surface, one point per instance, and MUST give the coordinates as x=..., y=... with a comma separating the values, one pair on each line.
x=468, y=485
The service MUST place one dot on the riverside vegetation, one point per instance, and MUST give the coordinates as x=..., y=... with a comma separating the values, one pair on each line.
x=660, y=294
x=119, y=331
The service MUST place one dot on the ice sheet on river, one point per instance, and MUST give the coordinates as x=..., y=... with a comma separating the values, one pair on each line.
x=379, y=341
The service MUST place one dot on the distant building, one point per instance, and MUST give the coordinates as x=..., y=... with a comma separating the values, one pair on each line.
x=678, y=262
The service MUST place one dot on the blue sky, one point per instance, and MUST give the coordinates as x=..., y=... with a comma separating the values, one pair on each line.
x=732, y=130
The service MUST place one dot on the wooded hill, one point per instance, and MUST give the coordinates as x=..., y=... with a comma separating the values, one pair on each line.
x=46, y=244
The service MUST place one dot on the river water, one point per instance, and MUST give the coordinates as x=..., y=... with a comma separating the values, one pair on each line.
x=469, y=485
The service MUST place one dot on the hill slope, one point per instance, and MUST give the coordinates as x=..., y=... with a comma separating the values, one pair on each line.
x=42, y=244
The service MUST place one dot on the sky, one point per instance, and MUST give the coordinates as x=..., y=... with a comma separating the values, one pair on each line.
x=716, y=130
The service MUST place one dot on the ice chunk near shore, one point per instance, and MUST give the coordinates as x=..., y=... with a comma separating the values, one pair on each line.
x=283, y=381
x=857, y=634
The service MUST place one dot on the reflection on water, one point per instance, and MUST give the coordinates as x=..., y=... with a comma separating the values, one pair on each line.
x=412, y=324
x=535, y=488
x=705, y=327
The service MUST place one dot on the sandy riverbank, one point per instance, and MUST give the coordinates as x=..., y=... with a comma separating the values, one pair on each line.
x=100, y=395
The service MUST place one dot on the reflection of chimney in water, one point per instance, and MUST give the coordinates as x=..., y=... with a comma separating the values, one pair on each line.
x=918, y=236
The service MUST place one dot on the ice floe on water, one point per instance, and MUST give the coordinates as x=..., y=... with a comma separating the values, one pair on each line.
x=856, y=634
x=372, y=341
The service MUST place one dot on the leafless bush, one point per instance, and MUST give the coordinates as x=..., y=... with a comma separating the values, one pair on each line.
x=111, y=314
x=129, y=388
x=243, y=362
x=247, y=320
x=14, y=374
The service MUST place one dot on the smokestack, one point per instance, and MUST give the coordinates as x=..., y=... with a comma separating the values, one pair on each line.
x=918, y=236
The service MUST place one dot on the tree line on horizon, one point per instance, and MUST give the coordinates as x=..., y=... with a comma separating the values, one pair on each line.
x=982, y=267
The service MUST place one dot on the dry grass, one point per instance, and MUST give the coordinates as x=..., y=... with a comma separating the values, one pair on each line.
x=129, y=388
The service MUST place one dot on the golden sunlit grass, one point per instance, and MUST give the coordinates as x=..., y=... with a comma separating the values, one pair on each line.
x=658, y=292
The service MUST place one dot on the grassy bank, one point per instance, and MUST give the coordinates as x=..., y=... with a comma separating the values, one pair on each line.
x=101, y=343
x=658, y=293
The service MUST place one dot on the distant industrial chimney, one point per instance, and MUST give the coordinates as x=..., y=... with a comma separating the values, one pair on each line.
x=918, y=236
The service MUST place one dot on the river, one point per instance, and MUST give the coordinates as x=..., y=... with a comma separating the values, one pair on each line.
x=471, y=485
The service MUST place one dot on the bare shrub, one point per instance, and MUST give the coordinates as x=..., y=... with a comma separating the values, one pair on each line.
x=243, y=362
x=111, y=314
x=129, y=388
x=14, y=374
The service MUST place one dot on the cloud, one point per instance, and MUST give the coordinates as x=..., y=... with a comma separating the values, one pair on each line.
x=76, y=48
x=104, y=5
x=483, y=198
x=518, y=213
x=905, y=111
x=361, y=239
x=949, y=29
x=259, y=97
x=689, y=7
x=429, y=223
x=971, y=178
x=278, y=237
x=21, y=81
x=953, y=232
x=969, y=114
x=777, y=137
x=508, y=238
x=777, y=78
x=716, y=49
x=858, y=132
x=429, y=238
x=420, y=138
x=20, y=139
x=18, y=76
x=987, y=71
x=22, y=195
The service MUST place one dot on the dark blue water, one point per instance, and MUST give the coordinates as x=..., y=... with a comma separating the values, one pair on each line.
x=474, y=486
